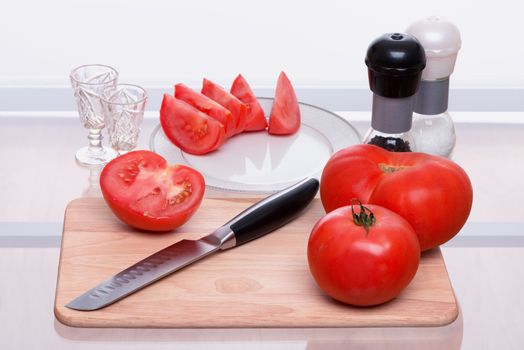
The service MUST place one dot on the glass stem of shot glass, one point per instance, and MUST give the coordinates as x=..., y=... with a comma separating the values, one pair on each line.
x=95, y=141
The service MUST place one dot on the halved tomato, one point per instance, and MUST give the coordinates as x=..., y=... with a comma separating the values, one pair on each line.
x=285, y=113
x=189, y=129
x=224, y=98
x=206, y=105
x=255, y=119
x=146, y=193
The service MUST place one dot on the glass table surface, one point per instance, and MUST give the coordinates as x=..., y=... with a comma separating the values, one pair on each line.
x=39, y=176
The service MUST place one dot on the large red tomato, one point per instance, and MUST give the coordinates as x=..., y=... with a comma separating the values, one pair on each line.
x=145, y=192
x=432, y=193
x=361, y=259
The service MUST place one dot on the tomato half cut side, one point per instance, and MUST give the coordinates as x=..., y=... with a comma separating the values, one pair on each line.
x=207, y=106
x=224, y=98
x=285, y=113
x=189, y=129
x=255, y=118
x=145, y=192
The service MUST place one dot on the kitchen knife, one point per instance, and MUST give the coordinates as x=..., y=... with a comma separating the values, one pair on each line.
x=256, y=221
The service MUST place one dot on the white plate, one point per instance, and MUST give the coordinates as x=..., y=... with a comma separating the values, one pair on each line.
x=259, y=162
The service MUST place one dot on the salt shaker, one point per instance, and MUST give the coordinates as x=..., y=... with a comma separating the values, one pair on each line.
x=395, y=62
x=433, y=128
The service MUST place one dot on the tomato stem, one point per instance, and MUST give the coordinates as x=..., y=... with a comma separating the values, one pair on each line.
x=364, y=218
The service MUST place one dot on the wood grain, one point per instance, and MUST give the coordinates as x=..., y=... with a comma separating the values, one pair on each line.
x=265, y=283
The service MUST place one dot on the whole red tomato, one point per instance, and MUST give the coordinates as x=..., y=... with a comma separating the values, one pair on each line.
x=145, y=192
x=432, y=193
x=363, y=256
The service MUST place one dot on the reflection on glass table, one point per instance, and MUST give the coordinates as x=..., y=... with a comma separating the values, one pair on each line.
x=403, y=338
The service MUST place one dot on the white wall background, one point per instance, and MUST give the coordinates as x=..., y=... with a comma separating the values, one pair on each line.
x=318, y=43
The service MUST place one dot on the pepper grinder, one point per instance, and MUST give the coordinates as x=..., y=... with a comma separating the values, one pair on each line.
x=395, y=62
x=433, y=128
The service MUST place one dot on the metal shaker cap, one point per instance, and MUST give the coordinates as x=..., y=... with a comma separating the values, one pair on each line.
x=395, y=62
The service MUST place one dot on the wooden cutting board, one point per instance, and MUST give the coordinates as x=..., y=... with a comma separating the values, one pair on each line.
x=265, y=283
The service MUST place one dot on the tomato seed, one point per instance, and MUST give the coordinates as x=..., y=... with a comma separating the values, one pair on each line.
x=156, y=191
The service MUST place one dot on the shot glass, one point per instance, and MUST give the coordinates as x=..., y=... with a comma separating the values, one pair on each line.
x=89, y=82
x=123, y=108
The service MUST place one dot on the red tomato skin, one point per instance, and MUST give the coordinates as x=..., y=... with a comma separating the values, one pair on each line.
x=360, y=269
x=285, y=113
x=238, y=109
x=175, y=115
x=207, y=106
x=432, y=193
x=128, y=200
x=255, y=118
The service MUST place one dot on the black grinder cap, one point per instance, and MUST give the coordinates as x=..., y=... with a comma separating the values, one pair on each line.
x=395, y=62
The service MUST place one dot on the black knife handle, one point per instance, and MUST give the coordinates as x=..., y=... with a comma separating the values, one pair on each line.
x=273, y=212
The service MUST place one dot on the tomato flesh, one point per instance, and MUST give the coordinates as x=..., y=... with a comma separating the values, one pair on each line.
x=224, y=98
x=145, y=192
x=432, y=193
x=189, y=129
x=362, y=268
x=207, y=106
x=285, y=113
x=255, y=118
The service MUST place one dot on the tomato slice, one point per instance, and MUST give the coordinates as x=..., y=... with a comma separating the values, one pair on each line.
x=189, y=129
x=285, y=113
x=224, y=98
x=255, y=118
x=146, y=193
x=206, y=105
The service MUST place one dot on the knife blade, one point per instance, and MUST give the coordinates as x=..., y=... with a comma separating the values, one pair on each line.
x=259, y=219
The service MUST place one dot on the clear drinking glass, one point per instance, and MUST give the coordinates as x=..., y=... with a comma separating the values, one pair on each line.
x=89, y=82
x=123, y=108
